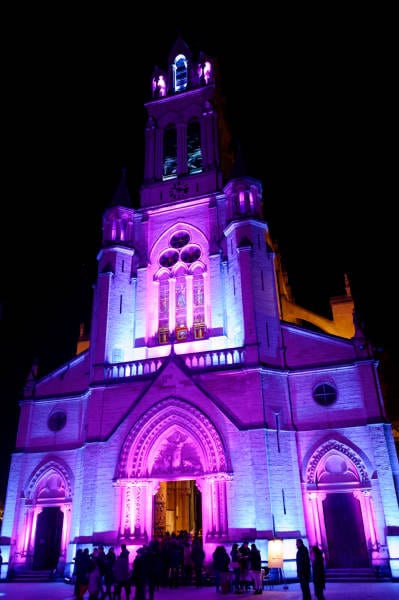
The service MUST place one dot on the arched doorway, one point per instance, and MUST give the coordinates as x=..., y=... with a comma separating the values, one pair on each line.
x=173, y=442
x=48, y=539
x=347, y=548
x=339, y=504
x=177, y=507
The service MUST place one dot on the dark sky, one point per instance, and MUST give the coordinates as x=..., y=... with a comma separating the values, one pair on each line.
x=310, y=97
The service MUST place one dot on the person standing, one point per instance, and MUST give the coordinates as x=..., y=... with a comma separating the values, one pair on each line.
x=303, y=568
x=198, y=557
x=140, y=573
x=255, y=560
x=221, y=561
x=83, y=565
x=235, y=565
x=109, y=580
x=319, y=573
x=244, y=566
x=121, y=574
x=94, y=578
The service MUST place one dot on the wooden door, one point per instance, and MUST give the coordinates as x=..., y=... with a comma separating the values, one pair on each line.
x=347, y=548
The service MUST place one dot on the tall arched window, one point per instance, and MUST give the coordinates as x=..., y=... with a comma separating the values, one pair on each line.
x=180, y=73
x=199, y=327
x=181, y=295
x=170, y=152
x=164, y=301
x=194, y=154
x=181, y=305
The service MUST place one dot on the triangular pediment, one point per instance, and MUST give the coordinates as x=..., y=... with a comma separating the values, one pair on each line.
x=180, y=47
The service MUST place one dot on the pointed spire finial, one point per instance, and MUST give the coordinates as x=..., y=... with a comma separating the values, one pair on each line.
x=122, y=196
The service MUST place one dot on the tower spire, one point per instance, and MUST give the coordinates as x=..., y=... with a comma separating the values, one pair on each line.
x=121, y=196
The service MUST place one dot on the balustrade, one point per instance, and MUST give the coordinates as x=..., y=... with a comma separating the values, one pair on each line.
x=198, y=360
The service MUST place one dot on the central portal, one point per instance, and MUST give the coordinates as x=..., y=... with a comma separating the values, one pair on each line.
x=177, y=507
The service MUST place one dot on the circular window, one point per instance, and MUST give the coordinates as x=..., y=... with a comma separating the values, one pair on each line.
x=325, y=394
x=190, y=254
x=57, y=420
x=180, y=239
x=169, y=258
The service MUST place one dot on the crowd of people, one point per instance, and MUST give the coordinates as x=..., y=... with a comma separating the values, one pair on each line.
x=244, y=562
x=171, y=561
x=177, y=560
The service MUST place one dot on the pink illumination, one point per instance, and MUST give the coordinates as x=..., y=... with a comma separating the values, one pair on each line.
x=159, y=86
x=241, y=196
x=199, y=377
x=205, y=72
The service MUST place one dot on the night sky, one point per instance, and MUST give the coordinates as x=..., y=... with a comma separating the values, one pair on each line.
x=310, y=100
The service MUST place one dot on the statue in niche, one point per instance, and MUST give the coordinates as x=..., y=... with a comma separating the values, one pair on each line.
x=177, y=455
x=53, y=487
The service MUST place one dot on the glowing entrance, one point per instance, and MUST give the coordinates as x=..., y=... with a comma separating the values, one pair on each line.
x=177, y=507
x=172, y=473
x=340, y=504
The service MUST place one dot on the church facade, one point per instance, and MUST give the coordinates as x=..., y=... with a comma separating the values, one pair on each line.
x=202, y=400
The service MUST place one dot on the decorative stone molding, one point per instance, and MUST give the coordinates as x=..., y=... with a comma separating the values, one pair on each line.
x=353, y=462
x=172, y=439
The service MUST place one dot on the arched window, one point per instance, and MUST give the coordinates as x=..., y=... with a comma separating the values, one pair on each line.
x=194, y=154
x=181, y=306
x=163, y=319
x=170, y=153
x=181, y=295
x=199, y=327
x=180, y=73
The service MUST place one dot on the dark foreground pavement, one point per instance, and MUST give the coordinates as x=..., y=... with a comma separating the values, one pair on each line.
x=334, y=591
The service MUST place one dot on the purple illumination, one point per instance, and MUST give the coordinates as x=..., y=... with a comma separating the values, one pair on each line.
x=201, y=402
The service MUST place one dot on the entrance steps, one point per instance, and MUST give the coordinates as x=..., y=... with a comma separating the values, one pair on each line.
x=352, y=575
x=30, y=576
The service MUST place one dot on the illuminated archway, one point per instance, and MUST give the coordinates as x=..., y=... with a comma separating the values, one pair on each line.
x=172, y=441
x=48, y=490
x=337, y=484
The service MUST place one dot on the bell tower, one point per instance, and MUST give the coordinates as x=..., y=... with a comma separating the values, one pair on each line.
x=186, y=139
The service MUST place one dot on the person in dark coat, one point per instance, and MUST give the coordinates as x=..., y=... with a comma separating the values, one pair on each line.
x=109, y=579
x=235, y=565
x=121, y=574
x=140, y=573
x=255, y=560
x=197, y=557
x=244, y=566
x=154, y=568
x=82, y=568
x=221, y=562
x=175, y=560
x=319, y=574
x=303, y=568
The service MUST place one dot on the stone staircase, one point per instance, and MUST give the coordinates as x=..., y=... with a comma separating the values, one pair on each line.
x=353, y=575
x=30, y=576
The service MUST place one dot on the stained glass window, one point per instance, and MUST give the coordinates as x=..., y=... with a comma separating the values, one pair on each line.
x=164, y=303
x=169, y=258
x=190, y=254
x=181, y=264
x=180, y=239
